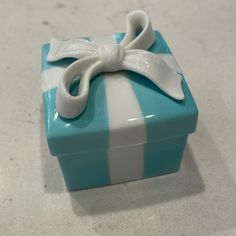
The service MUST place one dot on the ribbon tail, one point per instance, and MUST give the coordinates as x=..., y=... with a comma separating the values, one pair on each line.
x=163, y=72
x=170, y=61
x=74, y=48
x=69, y=106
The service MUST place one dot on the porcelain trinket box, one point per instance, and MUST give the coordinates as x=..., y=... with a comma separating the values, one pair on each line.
x=116, y=108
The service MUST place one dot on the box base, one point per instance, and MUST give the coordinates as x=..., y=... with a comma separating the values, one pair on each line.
x=93, y=169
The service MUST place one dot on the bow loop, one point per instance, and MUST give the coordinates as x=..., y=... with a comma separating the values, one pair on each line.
x=139, y=31
x=130, y=54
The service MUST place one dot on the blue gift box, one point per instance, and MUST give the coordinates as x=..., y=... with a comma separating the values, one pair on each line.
x=129, y=129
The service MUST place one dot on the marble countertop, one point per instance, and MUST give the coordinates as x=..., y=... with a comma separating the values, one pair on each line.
x=199, y=200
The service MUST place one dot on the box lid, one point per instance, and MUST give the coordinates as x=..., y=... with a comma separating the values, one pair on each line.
x=124, y=108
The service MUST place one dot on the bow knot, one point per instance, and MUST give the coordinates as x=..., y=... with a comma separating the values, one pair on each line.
x=130, y=55
x=111, y=56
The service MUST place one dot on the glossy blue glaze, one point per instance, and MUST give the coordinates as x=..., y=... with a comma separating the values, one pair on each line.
x=90, y=169
x=164, y=117
x=85, y=170
x=168, y=121
x=82, y=144
x=87, y=132
x=163, y=156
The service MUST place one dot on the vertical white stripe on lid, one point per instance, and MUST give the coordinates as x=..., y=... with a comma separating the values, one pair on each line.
x=126, y=126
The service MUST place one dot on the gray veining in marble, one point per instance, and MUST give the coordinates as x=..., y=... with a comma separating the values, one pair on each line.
x=199, y=200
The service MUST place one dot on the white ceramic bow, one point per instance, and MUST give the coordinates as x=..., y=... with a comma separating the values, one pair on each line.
x=130, y=55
